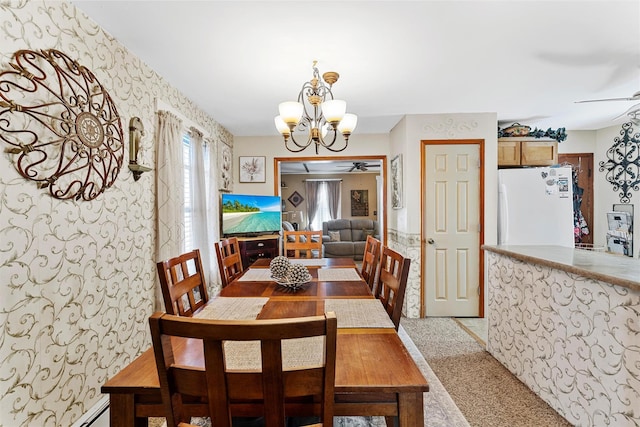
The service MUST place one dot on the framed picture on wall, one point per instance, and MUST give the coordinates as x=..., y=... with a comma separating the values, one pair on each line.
x=225, y=167
x=359, y=202
x=252, y=169
x=396, y=182
x=295, y=199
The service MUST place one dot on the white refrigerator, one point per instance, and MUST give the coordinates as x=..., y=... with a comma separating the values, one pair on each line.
x=535, y=206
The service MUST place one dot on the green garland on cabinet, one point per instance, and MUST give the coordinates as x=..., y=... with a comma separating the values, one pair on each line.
x=519, y=130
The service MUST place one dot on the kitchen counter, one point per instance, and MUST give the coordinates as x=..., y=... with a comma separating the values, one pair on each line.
x=566, y=323
x=615, y=269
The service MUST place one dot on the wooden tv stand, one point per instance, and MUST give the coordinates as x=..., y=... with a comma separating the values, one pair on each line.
x=252, y=248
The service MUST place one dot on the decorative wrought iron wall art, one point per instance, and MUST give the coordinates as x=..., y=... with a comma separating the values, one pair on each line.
x=62, y=126
x=623, y=166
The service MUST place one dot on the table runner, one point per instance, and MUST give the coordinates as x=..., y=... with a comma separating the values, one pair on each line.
x=336, y=274
x=319, y=262
x=296, y=353
x=245, y=355
x=359, y=313
x=256, y=275
x=227, y=308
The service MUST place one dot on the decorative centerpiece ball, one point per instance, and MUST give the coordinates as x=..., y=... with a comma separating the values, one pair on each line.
x=279, y=266
x=297, y=273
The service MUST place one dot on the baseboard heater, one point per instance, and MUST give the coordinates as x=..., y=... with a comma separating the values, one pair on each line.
x=97, y=416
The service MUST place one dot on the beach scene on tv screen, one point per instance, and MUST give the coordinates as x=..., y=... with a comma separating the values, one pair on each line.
x=250, y=213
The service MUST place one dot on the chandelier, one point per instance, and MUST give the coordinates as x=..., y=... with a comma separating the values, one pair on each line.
x=316, y=115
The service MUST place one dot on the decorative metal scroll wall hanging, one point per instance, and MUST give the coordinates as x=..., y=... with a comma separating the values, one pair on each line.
x=623, y=166
x=62, y=126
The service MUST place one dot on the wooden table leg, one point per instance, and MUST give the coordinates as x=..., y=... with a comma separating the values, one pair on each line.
x=122, y=412
x=410, y=410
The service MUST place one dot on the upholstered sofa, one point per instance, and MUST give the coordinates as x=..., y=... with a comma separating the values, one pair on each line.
x=345, y=238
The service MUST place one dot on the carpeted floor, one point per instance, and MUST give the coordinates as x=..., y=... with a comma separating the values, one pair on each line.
x=484, y=390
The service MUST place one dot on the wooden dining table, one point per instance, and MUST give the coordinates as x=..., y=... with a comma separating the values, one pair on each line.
x=375, y=374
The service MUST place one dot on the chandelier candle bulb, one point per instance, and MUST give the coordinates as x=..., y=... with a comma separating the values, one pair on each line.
x=282, y=127
x=348, y=124
x=334, y=110
x=291, y=112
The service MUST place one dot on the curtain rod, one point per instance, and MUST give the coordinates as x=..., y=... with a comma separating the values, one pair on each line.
x=322, y=179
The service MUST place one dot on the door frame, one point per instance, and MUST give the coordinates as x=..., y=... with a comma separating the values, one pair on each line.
x=587, y=174
x=383, y=174
x=423, y=178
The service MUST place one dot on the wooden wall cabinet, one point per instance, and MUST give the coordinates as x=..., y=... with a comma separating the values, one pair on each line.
x=508, y=153
x=527, y=152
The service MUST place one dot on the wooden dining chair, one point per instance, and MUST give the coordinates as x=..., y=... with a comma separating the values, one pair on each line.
x=184, y=287
x=392, y=283
x=302, y=244
x=229, y=260
x=217, y=392
x=370, y=261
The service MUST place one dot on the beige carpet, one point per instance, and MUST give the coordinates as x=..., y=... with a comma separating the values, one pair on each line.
x=486, y=393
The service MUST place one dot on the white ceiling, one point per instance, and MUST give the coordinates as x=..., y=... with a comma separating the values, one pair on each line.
x=528, y=61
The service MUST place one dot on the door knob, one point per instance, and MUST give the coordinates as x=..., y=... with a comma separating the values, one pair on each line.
x=431, y=241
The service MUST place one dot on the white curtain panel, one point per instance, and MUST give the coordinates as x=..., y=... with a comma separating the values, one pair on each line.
x=212, y=198
x=170, y=197
x=202, y=216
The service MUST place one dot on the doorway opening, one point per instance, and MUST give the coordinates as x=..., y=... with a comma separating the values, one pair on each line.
x=582, y=164
x=356, y=172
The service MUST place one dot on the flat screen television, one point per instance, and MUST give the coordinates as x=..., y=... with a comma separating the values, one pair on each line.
x=250, y=215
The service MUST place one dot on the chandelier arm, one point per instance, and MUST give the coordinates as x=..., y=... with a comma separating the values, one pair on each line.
x=333, y=140
x=325, y=91
x=306, y=117
x=304, y=92
x=337, y=150
x=303, y=126
x=329, y=145
x=300, y=146
x=312, y=113
x=293, y=150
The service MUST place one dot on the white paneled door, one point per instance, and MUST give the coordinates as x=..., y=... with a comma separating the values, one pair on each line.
x=451, y=229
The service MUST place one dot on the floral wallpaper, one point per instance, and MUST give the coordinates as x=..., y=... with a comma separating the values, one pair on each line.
x=572, y=340
x=78, y=277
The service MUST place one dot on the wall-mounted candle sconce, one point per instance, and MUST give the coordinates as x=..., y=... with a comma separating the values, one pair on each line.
x=136, y=132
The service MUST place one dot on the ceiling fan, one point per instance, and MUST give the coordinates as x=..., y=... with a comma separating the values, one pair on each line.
x=634, y=97
x=361, y=166
x=633, y=113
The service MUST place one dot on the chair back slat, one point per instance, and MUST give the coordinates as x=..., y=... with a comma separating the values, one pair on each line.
x=370, y=261
x=392, y=283
x=229, y=260
x=219, y=389
x=184, y=288
x=302, y=244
